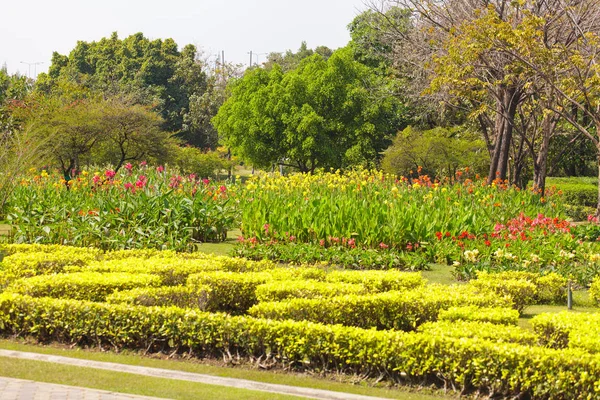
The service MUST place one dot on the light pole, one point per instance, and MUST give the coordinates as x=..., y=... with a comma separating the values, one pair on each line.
x=35, y=64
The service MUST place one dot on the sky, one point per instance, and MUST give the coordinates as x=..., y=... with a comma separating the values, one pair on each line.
x=30, y=30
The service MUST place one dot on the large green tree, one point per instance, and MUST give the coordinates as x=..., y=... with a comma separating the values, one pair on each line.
x=324, y=113
x=151, y=72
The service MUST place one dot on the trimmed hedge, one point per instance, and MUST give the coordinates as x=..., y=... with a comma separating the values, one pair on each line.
x=595, y=291
x=525, y=288
x=379, y=281
x=469, y=363
x=178, y=296
x=480, y=330
x=310, y=289
x=567, y=329
x=235, y=292
x=390, y=310
x=494, y=315
x=92, y=286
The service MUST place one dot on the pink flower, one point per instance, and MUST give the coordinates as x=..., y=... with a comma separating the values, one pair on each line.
x=205, y=181
x=128, y=167
x=143, y=164
x=110, y=174
x=129, y=186
x=223, y=189
x=322, y=242
x=97, y=180
x=383, y=245
x=141, y=182
x=352, y=243
x=160, y=169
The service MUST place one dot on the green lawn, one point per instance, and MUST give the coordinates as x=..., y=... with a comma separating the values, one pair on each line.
x=106, y=380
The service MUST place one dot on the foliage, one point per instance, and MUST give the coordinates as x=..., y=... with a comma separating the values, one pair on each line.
x=191, y=160
x=499, y=316
x=152, y=72
x=439, y=152
x=464, y=362
x=91, y=286
x=404, y=310
x=324, y=113
x=277, y=291
x=178, y=296
x=473, y=328
x=565, y=329
x=137, y=207
x=595, y=290
x=373, y=210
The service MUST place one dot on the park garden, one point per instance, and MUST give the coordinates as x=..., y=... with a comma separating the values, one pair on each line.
x=396, y=213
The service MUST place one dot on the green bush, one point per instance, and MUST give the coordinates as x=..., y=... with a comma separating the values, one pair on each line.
x=92, y=286
x=390, y=310
x=549, y=288
x=178, y=296
x=579, y=194
x=500, y=316
x=595, y=291
x=567, y=329
x=521, y=291
x=471, y=364
x=281, y=290
x=379, y=281
x=481, y=330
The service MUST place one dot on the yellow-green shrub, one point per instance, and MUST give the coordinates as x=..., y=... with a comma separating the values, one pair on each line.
x=309, y=289
x=480, y=330
x=494, y=315
x=389, y=310
x=39, y=262
x=549, y=288
x=568, y=329
x=521, y=291
x=93, y=286
x=502, y=369
x=178, y=296
x=379, y=281
x=595, y=290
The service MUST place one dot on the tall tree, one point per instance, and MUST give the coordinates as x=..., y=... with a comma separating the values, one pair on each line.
x=324, y=113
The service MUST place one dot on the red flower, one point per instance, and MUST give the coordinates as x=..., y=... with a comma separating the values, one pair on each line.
x=383, y=245
x=439, y=235
x=110, y=174
x=160, y=169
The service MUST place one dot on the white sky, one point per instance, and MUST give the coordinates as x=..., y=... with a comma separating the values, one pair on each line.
x=30, y=30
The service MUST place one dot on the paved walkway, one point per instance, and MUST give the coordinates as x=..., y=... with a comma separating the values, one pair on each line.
x=19, y=389
x=186, y=376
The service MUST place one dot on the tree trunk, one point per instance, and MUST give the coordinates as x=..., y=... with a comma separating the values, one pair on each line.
x=498, y=132
x=541, y=163
x=509, y=112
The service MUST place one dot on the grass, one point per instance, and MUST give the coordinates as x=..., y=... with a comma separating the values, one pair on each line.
x=532, y=311
x=123, y=382
x=78, y=378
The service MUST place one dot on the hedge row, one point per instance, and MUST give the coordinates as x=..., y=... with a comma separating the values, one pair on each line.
x=178, y=296
x=567, y=329
x=92, y=286
x=378, y=281
x=310, y=289
x=473, y=364
x=525, y=288
x=595, y=291
x=494, y=315
x=480, y=330
x=390, y=310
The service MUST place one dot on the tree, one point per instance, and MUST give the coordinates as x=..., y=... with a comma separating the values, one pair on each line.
x=130, y=133
x=151, y=72
x=289, y=60
x=438, y=152
x=324, y=113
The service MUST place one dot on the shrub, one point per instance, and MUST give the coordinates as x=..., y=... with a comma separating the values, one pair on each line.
x=464, y=363
x=500, y=316
x=390, y=310
x=281, y=290
x=178, y=296
x=92, y=286
x=595, y=291
x=567, y=329
x=480, y=330
x=379, y=281
x=521, y=292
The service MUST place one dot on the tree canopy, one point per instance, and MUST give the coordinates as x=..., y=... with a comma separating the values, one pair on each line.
x=324, y=113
